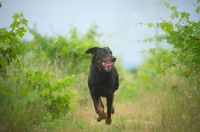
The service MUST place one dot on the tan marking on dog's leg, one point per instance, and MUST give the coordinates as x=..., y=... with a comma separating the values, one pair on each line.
x=101, y=107
x=101, y=114
x=100, y=111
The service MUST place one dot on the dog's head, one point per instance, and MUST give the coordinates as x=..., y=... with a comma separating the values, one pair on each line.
x=102, y=58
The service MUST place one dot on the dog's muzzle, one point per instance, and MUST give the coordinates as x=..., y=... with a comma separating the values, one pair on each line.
x=108, y=65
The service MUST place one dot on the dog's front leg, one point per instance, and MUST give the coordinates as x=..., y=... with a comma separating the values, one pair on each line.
x=109, y=100
x=98, y=107
x=95, y=101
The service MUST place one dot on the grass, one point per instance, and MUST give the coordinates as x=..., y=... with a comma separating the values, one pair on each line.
x=170, y=105
x=20, y=117
x=157, y=106
x=128, y=116
x=131, y=113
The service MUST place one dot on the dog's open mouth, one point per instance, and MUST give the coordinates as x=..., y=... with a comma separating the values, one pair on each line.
x=108, y=65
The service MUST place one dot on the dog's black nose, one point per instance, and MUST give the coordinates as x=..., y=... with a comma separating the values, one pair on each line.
x=113, y=59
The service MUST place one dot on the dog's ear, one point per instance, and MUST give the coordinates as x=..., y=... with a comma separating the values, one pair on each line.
x=91, y=50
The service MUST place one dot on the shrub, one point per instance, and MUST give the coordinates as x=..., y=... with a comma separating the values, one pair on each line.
x=67, y=51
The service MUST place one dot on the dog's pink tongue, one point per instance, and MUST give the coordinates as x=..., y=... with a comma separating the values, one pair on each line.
x=109, y=63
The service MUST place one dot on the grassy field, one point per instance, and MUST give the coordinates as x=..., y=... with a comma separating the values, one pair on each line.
x=132, y=113
x=146, y=110
x=164, y=104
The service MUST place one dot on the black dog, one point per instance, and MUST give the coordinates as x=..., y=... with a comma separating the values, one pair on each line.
x=102, y=81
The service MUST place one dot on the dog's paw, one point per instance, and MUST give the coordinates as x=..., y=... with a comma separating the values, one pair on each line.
x=99, y=119
x=108, y=121
x=101, y=114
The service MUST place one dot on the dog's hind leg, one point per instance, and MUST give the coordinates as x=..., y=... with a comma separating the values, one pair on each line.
x=113, y=110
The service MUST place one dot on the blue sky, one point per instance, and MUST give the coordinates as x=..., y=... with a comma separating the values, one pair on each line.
x=116, y=19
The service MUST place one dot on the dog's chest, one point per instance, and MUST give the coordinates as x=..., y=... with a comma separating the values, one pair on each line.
x=104, y=86
x=103, y=77
x=104, y=80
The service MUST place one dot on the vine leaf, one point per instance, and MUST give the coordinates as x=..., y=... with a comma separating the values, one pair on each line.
x=33, y=95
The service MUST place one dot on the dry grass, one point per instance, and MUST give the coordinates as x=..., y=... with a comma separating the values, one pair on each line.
x=129, y=116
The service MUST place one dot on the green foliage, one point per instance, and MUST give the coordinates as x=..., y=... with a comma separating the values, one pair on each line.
x=28, y=96
x=5, y=92
x=67, y=51
x=10, y=41
x=174, y=71
x=32, y=96
x=29, y=87
x=184, y=36
x=58, y=97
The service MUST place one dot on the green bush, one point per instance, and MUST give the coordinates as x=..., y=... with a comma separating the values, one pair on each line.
x=32, y=89
x=174, y=72
x=67, y=51
x=184, y=36
x=29, y=97
x=10, y=41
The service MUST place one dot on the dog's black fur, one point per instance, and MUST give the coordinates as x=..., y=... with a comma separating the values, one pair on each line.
x=102, y=81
